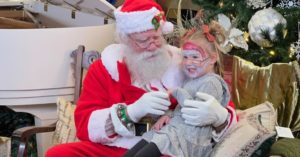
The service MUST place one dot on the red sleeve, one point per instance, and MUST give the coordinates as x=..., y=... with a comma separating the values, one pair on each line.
x=94, y=96
x=231, y=109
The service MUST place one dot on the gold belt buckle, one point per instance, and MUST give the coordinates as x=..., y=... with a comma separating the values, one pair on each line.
x=143, y=125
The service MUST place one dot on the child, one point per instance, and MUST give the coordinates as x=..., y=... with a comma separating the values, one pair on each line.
x=171, y=135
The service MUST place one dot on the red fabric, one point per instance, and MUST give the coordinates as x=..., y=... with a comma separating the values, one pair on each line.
x=84, y=148
x=139, y=5
x=100, y=92
x=231, y=104
x=173, y=102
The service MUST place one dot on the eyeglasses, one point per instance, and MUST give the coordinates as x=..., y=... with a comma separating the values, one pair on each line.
x=144, y=43
x=145, y=39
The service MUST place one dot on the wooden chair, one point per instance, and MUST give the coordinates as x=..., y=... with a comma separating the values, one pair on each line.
x=82, y=61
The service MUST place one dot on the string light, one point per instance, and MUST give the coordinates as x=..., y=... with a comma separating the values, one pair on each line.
x=285, y=31
x=246, y=36
x=272, y=52
x=221, y=4
x=292, y=50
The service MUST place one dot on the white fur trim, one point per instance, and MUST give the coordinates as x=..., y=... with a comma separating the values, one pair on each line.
x=167, y=27
x=119, y=127
x=97, y=134
x=136, y=21
x=126, y=142
x=233, y=119
x=110, y=56
x=96, y=127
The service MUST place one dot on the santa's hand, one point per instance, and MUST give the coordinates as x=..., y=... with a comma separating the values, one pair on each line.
x=204, y=111
x=150, y=103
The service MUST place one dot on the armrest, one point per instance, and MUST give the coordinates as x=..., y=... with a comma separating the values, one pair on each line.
x=23, y=134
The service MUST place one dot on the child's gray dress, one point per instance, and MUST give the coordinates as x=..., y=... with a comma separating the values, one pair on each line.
x=178, y=139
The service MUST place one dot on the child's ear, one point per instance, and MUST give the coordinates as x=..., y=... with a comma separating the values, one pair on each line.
x=213, y=58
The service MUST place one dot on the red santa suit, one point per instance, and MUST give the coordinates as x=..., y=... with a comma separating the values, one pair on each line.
x=106, y=84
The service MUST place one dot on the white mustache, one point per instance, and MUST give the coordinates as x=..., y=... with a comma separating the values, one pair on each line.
x=148, y=54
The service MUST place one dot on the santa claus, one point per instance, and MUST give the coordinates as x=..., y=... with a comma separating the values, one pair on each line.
x=129, y=82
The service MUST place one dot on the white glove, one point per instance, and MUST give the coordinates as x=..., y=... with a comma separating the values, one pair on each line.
x=204, y=111
x=150, y=103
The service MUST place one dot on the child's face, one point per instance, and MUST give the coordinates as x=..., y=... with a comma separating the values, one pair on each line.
x=196, y=61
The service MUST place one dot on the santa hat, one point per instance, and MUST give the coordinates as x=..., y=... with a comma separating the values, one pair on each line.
x=141, y=15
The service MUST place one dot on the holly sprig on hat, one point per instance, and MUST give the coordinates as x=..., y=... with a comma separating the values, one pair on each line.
x=156, y=20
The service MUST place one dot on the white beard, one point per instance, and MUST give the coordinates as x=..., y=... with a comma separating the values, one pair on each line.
x=146, y=66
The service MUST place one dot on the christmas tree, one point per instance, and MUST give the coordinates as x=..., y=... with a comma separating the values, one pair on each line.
x=260, y=31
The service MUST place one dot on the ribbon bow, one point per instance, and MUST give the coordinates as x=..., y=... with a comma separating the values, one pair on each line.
x=234, y=37
x=209, y=36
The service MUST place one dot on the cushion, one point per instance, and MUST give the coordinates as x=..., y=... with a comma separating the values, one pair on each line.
x=255, y=125
x=287, y=147
x=5, y=146
x=65, y=131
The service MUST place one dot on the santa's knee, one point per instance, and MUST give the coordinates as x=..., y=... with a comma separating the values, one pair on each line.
x=59, y=150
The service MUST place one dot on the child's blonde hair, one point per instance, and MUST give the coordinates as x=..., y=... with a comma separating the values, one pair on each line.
x=214, y=35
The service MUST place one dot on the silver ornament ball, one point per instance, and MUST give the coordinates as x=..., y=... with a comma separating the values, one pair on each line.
x=264, y=20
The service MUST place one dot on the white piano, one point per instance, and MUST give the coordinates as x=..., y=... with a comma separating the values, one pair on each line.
x=35, y=64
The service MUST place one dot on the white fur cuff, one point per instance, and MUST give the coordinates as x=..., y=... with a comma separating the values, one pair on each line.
x=96, y=127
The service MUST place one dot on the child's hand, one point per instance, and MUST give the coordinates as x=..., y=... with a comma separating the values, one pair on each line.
x=170, y=91
x=163, y=120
